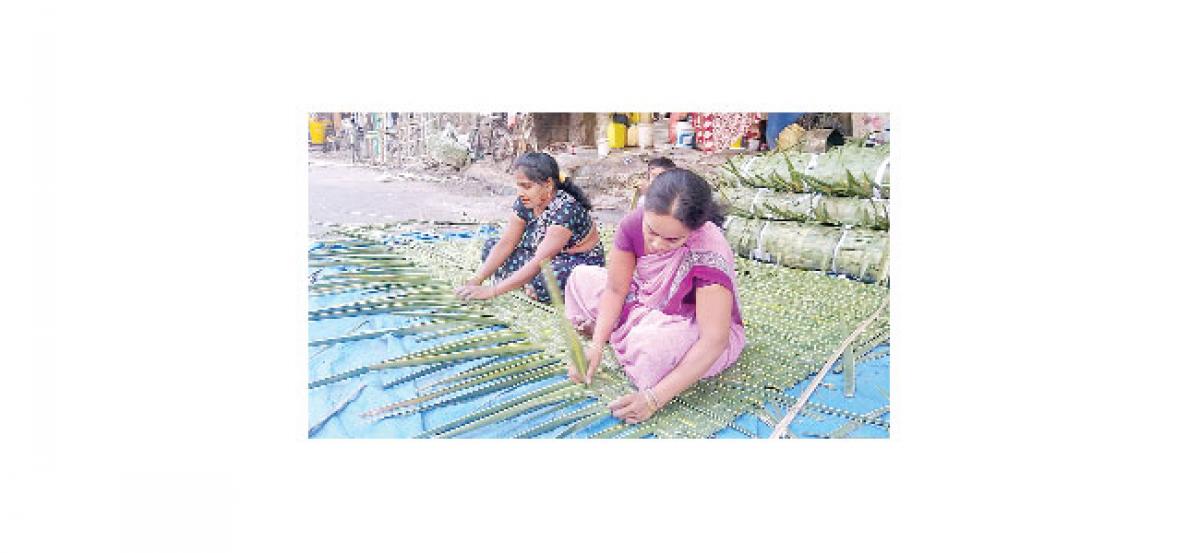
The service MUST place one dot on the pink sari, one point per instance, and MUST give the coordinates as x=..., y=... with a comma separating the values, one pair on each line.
x=658, y=322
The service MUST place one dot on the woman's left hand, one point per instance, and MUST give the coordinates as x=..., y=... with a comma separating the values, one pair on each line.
x=632, y=408
x=475, y=292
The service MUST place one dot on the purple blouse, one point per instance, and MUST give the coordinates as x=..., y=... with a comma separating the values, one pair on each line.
x=629, y=234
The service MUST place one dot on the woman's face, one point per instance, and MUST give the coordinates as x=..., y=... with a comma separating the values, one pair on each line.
x=663, y=232
x=532, y=193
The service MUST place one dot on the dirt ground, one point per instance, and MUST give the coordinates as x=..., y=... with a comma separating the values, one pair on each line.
x=340, y=192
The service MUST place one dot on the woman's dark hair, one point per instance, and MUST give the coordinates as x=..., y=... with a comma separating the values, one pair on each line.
x=661, y=163
x=685, y=196
x=538, y=167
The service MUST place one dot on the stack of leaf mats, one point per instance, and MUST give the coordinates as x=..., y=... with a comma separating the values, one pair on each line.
x=819, y=212
x=852, y=171
x=495, y=369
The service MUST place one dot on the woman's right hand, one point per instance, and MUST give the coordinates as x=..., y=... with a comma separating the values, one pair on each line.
x=593, y=354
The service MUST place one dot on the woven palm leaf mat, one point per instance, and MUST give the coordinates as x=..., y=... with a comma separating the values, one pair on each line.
x=796, y=322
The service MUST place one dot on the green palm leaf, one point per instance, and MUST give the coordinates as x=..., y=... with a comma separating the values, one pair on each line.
x=396, y=331
x=491, y=337
x=444, y=401
x=553, y=393
x=524, y=362
x=497, y=382
x=337, y=377
x=613, y=431
x=568, y=417
x=600, y=415
x=575, y=352
x=422, y=371
x=506, y=350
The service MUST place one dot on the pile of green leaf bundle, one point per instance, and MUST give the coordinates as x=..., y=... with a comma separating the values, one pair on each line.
x=443, y=148
x=847, y=171
x=817, y=212
x=763, y=203
x=795, y=321
x=858, y=253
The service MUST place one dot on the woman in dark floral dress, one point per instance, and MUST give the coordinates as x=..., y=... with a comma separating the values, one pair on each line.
x=551, y=221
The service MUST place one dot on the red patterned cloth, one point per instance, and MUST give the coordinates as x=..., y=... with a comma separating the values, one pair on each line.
x=717, y=131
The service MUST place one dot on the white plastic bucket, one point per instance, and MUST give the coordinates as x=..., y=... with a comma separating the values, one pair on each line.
x=645, y=133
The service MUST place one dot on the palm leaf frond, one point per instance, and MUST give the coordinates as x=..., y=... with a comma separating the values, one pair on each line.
x=575, y=352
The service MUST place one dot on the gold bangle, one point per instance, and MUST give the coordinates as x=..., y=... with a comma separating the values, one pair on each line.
x=649, y=393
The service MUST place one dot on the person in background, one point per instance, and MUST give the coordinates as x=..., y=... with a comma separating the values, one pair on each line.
x=655, y=167
x=551, y=221
x=776, y=123
x=352, y=138
x=667, y=299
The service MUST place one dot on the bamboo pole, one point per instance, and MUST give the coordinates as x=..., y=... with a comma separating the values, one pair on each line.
x=781, y=428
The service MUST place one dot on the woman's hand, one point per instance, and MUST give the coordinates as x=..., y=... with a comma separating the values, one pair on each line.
x=475, y=292
x=471, y=282
x=594, y=353
x=632, y=408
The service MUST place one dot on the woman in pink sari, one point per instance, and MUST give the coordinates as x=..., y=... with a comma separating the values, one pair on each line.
x=667, y=300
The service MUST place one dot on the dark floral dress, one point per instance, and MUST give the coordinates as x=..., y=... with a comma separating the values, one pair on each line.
x=564, y=211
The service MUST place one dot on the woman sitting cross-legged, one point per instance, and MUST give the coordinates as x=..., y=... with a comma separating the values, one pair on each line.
x=667, y=300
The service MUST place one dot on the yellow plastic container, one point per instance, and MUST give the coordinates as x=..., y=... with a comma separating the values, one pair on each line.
x=616, y=135
x=316, y=131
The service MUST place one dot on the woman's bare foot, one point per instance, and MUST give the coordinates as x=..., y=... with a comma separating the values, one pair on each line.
x=584, y=329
